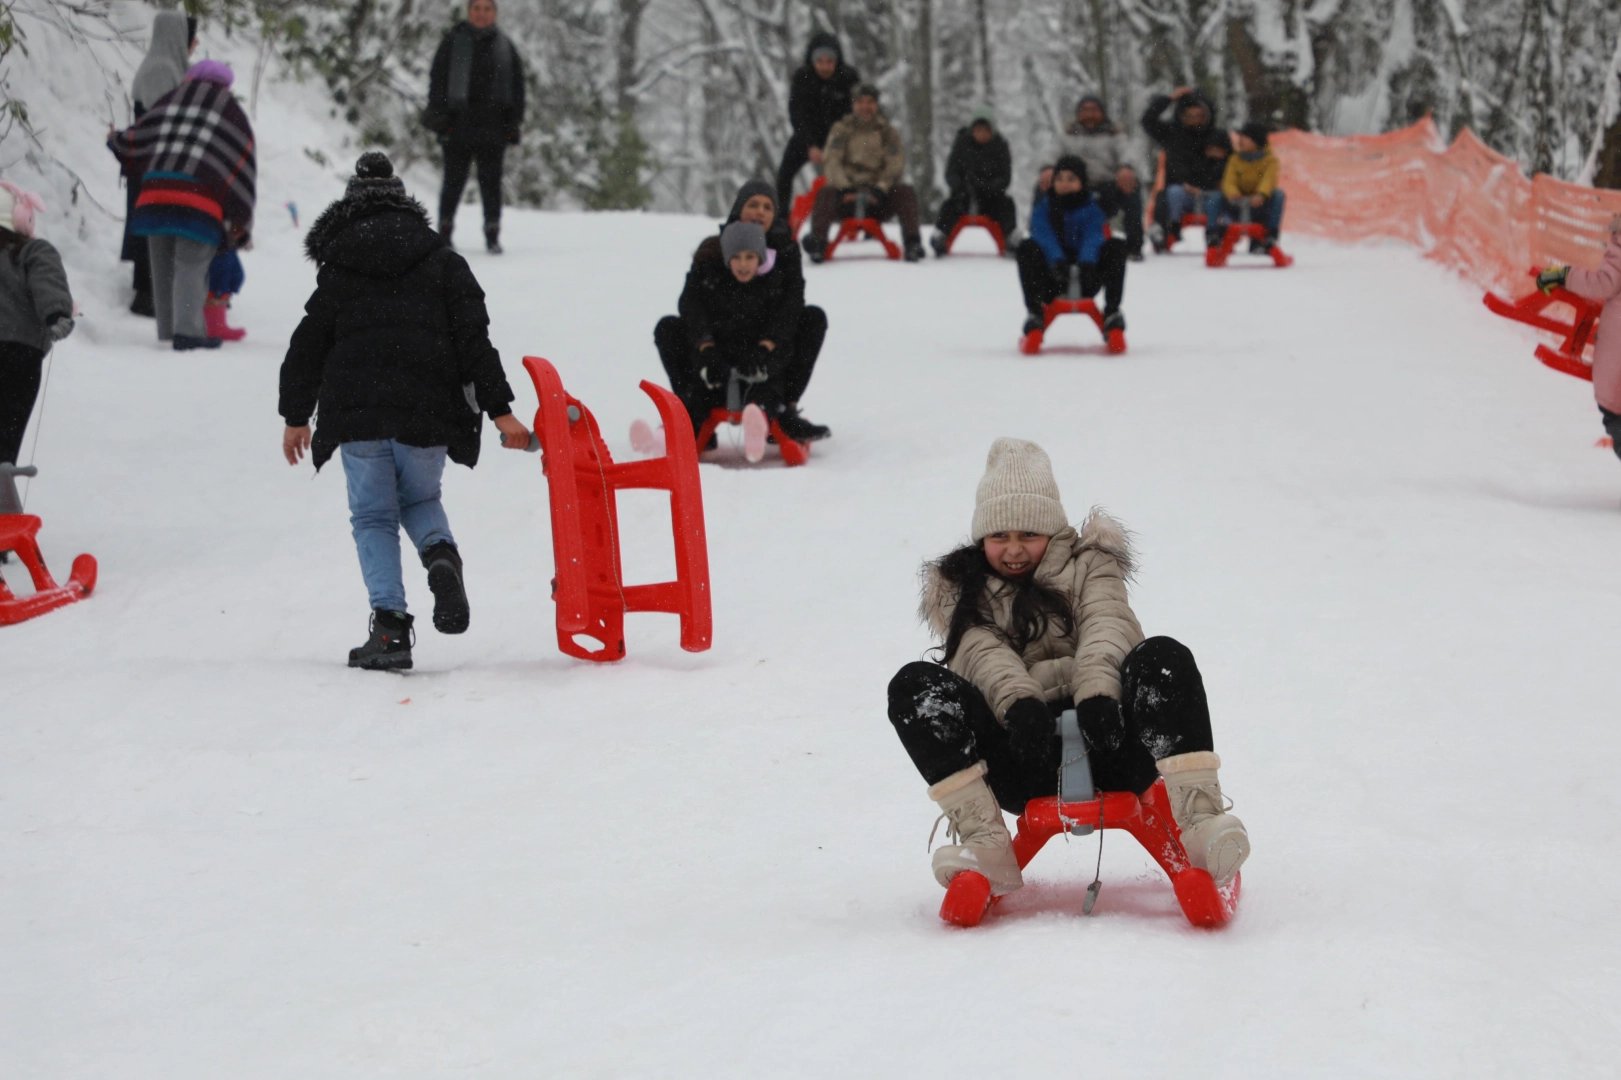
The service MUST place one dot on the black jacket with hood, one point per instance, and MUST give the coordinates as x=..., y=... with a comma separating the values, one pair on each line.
x=815, y=104
x=716, y=307
x=972, y=166
x=395, y=339
x=1185, y=158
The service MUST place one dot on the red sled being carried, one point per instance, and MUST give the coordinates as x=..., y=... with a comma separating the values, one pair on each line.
x=17, y=532
x=1575, y=335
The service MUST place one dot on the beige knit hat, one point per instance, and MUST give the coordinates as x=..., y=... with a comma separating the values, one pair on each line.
x=1017, y=492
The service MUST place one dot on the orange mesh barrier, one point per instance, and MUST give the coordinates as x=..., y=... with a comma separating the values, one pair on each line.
x=1466, y=205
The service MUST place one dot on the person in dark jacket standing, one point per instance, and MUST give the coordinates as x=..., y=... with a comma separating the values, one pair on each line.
x=36, y=311
x=1067, y=240
x=475, y=107
x=174, y=39
x=819, y=98
x=1195, y=155
x=978, y=172
x=394, y=352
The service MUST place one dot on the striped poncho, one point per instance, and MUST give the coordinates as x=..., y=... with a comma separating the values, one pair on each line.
x=194, y=153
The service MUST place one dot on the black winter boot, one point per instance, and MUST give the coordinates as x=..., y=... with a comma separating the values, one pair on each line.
x=492, y=239
x=389, y=647
x=142, y=305
x=185, y=342
x=798, y=428
x=914, y=249
x=815, y=248
x=1114, y=320
x=444, y=565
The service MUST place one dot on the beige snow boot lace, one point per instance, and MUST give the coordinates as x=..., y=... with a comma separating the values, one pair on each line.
x=1216, y=840
x=979, y=837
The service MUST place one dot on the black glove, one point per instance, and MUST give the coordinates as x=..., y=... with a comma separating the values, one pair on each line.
x=1552, y=278
x=1120, y=761
x=1102, y=723
x=1032, y=734
x=58, y=328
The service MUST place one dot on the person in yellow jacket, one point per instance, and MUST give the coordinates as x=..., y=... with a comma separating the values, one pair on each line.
x=1249, y=189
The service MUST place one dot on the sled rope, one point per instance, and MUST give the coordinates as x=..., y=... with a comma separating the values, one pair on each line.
x=39, y=423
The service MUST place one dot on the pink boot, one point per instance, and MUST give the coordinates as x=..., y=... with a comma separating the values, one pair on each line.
x=214, y=312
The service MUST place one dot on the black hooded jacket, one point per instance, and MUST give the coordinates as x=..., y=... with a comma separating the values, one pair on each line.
x=394, y=339
x=1185, y=159
x=976, y=167
x=716, y=307
x=815, y=104
x=789, y=268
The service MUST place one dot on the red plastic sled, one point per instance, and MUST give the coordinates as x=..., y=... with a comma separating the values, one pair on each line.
x=968, y=897
x=1189, y=221
x=982, y=222
x=1218, y=256
x=17, y=533
x=800, y=211
x=793, y=453
x=1114, y=341
x=1575, y=336
x=859, y=228
x=589, y=588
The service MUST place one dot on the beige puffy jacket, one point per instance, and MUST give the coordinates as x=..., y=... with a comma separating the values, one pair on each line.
x=863, y=154
x=1090, y=567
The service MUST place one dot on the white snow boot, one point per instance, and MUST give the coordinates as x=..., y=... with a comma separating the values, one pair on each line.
x=1215, y=840
x=980, y=840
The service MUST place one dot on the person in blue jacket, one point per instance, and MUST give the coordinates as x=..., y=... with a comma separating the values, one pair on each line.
x=1068, y=239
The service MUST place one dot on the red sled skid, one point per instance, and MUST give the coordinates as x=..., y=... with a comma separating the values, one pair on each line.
x=977, y=221
x=858, y=228
x=1218, y=256
x=793, y=453
x=800, y=211
x=17, y=533
x=1575, y=336
x=1114, y=340
x=589, y=589
x=968, y=897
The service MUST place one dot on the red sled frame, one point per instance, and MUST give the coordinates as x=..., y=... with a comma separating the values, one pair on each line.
x=1218, y=256
x=793, y=453
x=1575, y=336
x=589, y=588
x=977, y=221
x=858, y=228
x=17, y=532
x=802, y=207
x=968, y=897
x=1114, y=341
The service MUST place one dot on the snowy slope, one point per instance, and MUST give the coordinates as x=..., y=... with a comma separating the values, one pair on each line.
x=1381, y=526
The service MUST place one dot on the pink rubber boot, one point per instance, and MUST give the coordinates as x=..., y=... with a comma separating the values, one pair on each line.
x=214, y=312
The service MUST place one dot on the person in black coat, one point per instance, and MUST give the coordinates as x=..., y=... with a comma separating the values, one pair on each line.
x=1195, y=155
x=475, y=107
x=978, y=172
x=785, y=266
x=394, y=352
x=819, y=97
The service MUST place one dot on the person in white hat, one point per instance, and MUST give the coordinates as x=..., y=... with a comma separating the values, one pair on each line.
x=1034, y=619
x=36, y=311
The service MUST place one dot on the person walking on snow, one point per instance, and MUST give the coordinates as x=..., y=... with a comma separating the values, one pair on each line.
x=864, y=157
x=195, y=154
x=1249, y=186
x=1068, y=241
x=978, y=172
x=174, y=39
x=819, y=97
x=394, y=356
x=36, y=311
x=755, y=203
x=475, y=107
x=1602, y=284
x=1034, y=619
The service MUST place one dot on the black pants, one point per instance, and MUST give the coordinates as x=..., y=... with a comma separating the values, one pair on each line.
x=459, y=158
x=1612, y=427
x=19, y=387
x=946, y=725
x=1043, y=283
x=996, y=205
x=135, y=247
x=794, y=157
x=785, y=387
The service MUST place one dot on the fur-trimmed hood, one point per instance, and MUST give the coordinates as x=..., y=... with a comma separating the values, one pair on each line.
x=1100, y=532
x=378, y=233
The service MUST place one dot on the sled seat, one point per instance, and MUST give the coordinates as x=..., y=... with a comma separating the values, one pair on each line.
x=979, y=221
x=1114, y=341
x=17, y=532
x=1251, y=230
x=1575, y=335
x=968, y=897
x=800, y=210
x=793, y=453
x=862, y=228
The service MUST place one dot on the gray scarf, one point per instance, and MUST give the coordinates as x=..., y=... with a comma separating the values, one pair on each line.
x=461, y=66
x=166, y=59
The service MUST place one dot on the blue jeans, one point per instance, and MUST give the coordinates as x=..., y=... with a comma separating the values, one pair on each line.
x=1219, y=211
x=391, y=484
x=1177, y=203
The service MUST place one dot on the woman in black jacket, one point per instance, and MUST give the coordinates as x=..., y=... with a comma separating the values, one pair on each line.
x=821, y=96
x=394, y=352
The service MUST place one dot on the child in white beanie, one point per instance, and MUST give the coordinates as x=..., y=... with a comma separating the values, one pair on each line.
x=36, y=311
x=1034, y=619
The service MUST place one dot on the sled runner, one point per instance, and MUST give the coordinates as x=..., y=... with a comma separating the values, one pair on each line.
x=1073, y=304
x=972, y=220
x=860, y=225
x=793, y=453
x=1254, y=231
x=589, y=588
x=800, y=211
x=17, y=532
x=1575, y=335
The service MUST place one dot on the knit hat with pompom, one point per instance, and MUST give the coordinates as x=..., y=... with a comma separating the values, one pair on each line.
x=1017, y=492
x=374, y=172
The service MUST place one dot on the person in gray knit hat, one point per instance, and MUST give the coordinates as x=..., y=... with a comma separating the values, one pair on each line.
x=1033, y=619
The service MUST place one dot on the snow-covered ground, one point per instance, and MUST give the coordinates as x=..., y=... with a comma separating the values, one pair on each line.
x=1381, y=526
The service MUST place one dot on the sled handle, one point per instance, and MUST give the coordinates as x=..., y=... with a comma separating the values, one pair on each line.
x=8, y=469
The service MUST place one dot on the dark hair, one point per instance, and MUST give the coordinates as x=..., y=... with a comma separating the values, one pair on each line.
x=1035, y=606
x=191, y=29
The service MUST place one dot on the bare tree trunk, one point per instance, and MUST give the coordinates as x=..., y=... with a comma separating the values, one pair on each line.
x=982, y=24
x=625, y=52
x=921, y=106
